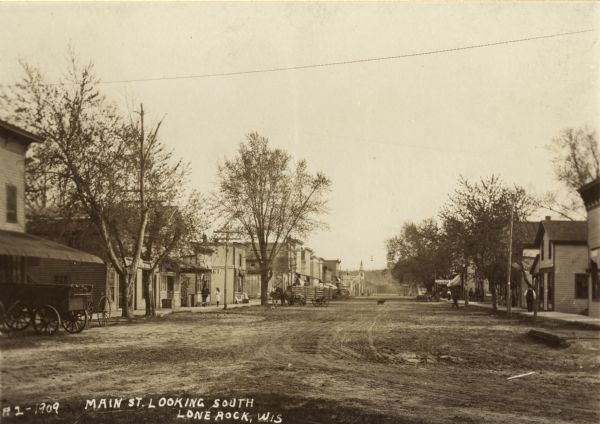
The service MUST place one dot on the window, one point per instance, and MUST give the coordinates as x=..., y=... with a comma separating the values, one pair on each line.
x=581, y=286
x=11, y=203
x=549, y=250
x=61, y=279
x=542, y=250
x=240, y=265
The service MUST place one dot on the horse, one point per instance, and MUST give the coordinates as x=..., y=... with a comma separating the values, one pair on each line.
x=277, y=294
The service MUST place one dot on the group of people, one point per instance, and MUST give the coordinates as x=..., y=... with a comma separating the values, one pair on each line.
x=205, y=292
x=243, y=298
x=454, y=294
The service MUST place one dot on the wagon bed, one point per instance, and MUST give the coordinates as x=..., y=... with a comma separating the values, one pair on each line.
x=46, y=306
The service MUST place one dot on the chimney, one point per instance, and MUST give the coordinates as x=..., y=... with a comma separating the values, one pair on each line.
x=547, y=218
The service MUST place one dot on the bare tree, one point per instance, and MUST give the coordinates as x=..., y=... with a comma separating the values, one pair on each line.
x=94, y=161
x=576, y=157
x=271, y=199
x=173, y=227
x=478, y=214
x=576, y=161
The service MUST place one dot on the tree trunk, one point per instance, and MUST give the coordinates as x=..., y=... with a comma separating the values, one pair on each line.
x=494, y=295
x=124, y=289
x=463, y=280
x=131, y=292
x=149, y=293
x=264, y=287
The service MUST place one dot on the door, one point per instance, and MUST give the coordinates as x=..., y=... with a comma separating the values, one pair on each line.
x=550, y=304
x=170, y=286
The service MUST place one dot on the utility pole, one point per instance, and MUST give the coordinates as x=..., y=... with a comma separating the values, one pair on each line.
x=227, y=239
x=508, y=290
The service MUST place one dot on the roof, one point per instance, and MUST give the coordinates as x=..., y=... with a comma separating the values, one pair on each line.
x=563, y=231
x=186, y=267
x=20, y=244
x=524, y=234
x=590, y=193
x=21, y=135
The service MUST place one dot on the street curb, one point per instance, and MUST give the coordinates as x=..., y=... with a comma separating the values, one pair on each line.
x=588, y=325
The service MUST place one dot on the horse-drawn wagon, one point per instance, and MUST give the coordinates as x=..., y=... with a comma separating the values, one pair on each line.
x=48, y=306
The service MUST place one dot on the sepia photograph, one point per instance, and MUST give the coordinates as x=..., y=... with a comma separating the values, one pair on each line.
x=299, y=212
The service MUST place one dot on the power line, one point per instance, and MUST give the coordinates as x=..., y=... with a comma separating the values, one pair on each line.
x=345, y=62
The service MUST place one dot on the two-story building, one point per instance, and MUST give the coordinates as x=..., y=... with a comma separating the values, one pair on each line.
x=560, y=268
x=25, y=258
x=228, y=271
x=331, y=270
x=288, y=266
x=590, y=193
x=196, y=272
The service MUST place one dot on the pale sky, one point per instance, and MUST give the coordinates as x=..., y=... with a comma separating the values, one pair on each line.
x=393, y=135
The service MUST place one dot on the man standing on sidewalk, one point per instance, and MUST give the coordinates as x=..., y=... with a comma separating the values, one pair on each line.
x=455, y=296
x=530, y=298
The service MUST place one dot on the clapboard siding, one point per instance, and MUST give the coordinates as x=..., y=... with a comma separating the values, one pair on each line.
x=12, y=164
x=568, y=261
x=48, y=271
x=594, y=228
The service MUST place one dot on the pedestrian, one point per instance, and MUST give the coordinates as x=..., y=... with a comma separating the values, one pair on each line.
x=204, y=292
x=455, y=298
x=530, y=298
x=217, y=296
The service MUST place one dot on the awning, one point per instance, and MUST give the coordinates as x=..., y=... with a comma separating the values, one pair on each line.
x=176, y=265
x=20, y=244
x=454, y=282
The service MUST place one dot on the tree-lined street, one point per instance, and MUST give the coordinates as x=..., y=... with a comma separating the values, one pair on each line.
x=353, y=362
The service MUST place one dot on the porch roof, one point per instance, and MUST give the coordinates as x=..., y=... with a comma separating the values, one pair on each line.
x=181, y=266
x=20, y=244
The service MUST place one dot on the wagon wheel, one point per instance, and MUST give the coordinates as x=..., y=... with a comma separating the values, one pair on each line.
x=103, y=311
x=18, y=316
x=75, y=321
x=46, y=320
x=89, y=311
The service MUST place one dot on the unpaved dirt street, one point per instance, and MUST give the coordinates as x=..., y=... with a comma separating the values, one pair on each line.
x=352, y=362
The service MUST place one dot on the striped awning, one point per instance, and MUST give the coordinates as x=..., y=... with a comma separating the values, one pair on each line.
x=20, y=244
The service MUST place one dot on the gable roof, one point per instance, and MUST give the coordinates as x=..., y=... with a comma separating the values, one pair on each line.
x=563, y=231
x=19, y=134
